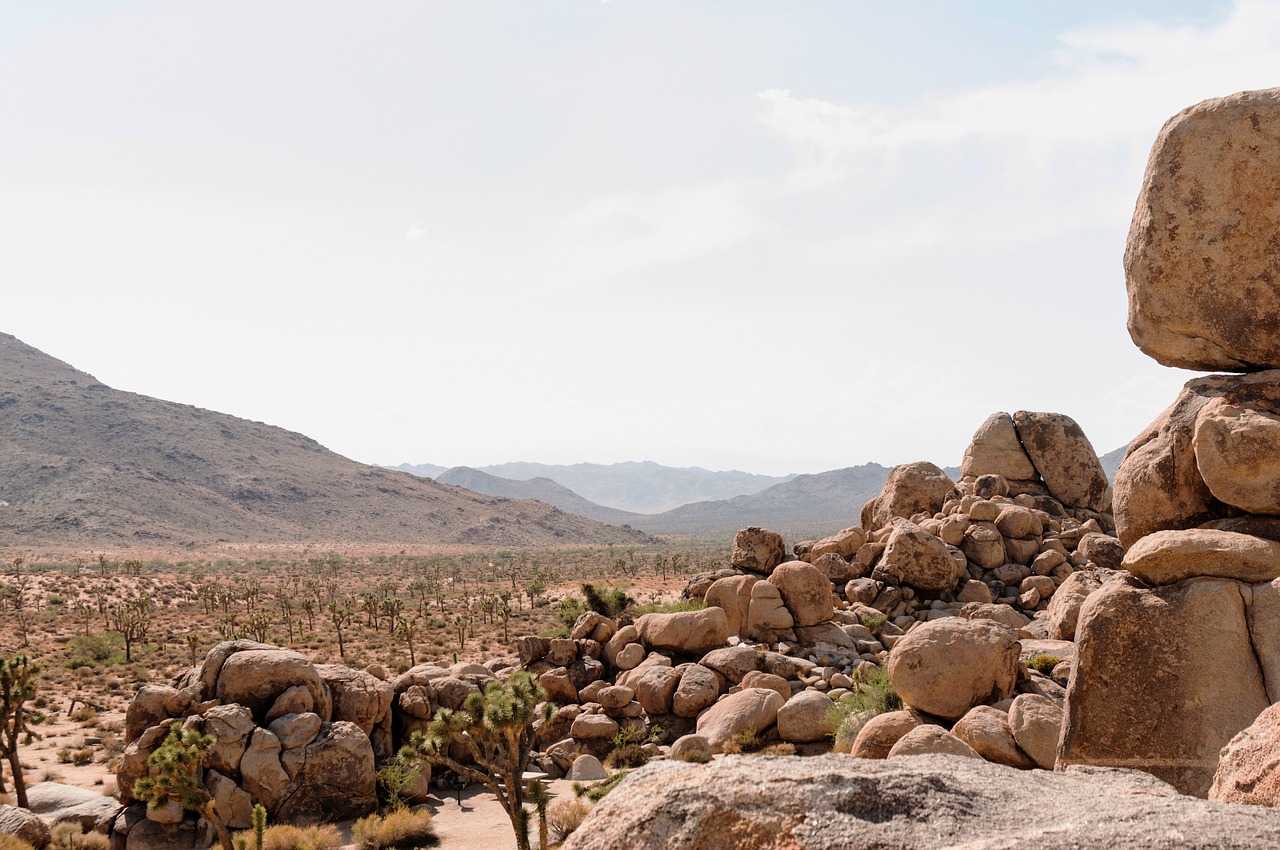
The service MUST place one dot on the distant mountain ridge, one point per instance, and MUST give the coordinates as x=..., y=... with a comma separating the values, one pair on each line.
x=641, y=487
x=542, y=489
x=83, y=463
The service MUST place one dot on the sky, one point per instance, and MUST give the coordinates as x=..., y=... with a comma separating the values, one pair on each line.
x=778, y=237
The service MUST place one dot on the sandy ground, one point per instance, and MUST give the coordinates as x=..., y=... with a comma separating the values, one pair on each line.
x=480, y=823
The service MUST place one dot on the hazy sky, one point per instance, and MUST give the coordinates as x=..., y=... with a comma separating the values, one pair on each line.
x=784, y=236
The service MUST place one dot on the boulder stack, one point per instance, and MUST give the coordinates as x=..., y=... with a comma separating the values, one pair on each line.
x=1180, y=655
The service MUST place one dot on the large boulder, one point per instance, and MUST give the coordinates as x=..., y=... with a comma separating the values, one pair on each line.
x=995, y=450
x=1065, y=459
x=254, y=678
x=1064, y=606
x=337, y=778
x=922, y=559
x=24, y=826
x=767, y=614
x=1238, y=454
x=757, y=549
x=751, y=710
x=733, y=595
x=945, y=667
x=1249, y=769
x=910, y=489
x=687, y=632
x=699, y=687
x=806, y=717
x=57, y=803
x=927, y=739
x=833, y=801
x=1036, y=724
x=360, y=698
x=1166, y=557
x=877, y=736
x=1201, y=266
x=987, y=731
x=806, y=591
x=1152, y=668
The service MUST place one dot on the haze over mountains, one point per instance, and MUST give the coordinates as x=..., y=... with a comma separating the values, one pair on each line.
x=83, y=463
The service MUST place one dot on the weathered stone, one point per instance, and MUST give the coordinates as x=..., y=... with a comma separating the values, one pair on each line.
x=688, y=632
x=264, y=778
x=844, y=543
x=805, y=717
x=946, y=667
x=1249, y=768
x=987, y=731
x=805, y=591
x=1065, y=459
x=832, y=801
x=655, y=689
x=1036, y=724
x=57, y=803
x=768, y=681
x=699, y=688
x=751, y=710
x=1166, y=557
x=1166, y=716
x=363, y=699
x=230, y=726
x=614, y=697
x=24, y=826
x=1103, y=550
x=995, y=450
x=733, y=594
x=233, y=803
x=146, y=709
x=337, y=778
x=295, y=700
x=910, y=489
x=923, y=559
x=984, y=545
x=1200, y=265
x=587, y=768
x=691, y=748
x=733, y=662
x=757, y=549
x=254, y=678
x=629, y=657
x=589, y=727
x=928, y=739
x=296, y=730
x=767, y=613
x=878, y=735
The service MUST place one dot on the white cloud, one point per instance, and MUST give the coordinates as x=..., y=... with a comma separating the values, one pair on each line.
x=416, y=232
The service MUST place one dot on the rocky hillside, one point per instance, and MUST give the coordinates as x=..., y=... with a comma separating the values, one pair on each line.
x=81, y=462
x=542, y=489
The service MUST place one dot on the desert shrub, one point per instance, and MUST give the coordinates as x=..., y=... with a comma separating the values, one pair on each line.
x=84, y=714
x=873, y=621
x=10, y=842
x=872, y=695
x=780, y=749
x=1044, y=663
x=69, y=836
x=395, y=778
x=90, y=651
x=564, y=816
x=610, y=601
x=595, y=791
x=744, y=742
x=403, y=829
x=669, y=607
x=289, y=837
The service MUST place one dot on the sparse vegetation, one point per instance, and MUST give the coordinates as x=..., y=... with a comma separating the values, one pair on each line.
x=402, y=829
x=178, y=762
x=564, y=816
x=17, y=687
x=288, y=837
x=1044, y=663
x=596, y=791
x=871, y=695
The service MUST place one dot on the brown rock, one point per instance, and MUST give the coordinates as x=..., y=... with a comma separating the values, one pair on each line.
x=336, y=780
x=750, y=710
x=688, y=632
x=655, y=688
x=757, y=549
x=806, y=717
x=733, y=594
x=910, y=489
x=768, y=681
x=844, y=543
x=987, y=731
x=805, y=590
x=1236, y=452
x=1064, y=608
x=946, y=667
x=699, y=688
x=1166, y=557
x=1065, y=459
x=984, y=545
x=995, y=450
x=1166, y=715
x=1200, y=264
x=254, y=678
x=767, y=613
x=1249, y=769
x=1036, y=724
x=925, y=561
x=878, y=735
x=928, y=739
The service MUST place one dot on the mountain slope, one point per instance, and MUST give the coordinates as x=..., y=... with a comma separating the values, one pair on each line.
x=542, y=489
x=81, y=462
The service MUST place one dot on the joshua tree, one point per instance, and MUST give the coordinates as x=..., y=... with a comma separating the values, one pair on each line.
x=132, y=620
x=541, y=798
x=178, y=762
x=17, y=686
x=496, y=728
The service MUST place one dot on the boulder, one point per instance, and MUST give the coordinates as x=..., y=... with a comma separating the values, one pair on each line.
x=1249, y=768
x=733, y=594
x=757, y=549
x=1167, y=557
x=1151, y=670
x=1200, y=265
x=995, y=450
x=769, y=681
x=234, y=804
x=767, y=613
x=589, y=727
x=923, y=560
x=751, y=710
x=844, y=543
x=804, y=718
x=833, y=801
x=587, y=768
x=263, y=776
x=337, y=779
x=358, y=697
x=987, y=731
x=614, y=697
x=1036, y=724
x=254, y=678
x=655, y=688
x=733, y=662
x=24, y=826
x=295, y=700
x=56, y=803
x=146, y=709
x=878, y=735
x=945, y=667
x=805, y=590
x=699, y=687
x=910, y=489
x=296, y=730
x=687, y=632
x=928, y=739
x=1064, y=608
x=1238, y=454
x=1065, y=459
x=692, y=748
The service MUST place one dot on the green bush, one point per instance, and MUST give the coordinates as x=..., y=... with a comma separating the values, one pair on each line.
x=669, y=607
x=611, y=601
x=871, y=695
x=106, y=648
x=595, y=791
x=1044, y=663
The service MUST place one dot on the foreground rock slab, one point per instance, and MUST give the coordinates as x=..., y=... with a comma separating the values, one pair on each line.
x=834, y=801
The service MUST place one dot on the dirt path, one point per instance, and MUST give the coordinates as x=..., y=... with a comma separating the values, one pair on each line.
x=480, y=823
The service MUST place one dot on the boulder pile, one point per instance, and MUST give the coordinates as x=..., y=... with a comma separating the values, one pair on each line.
x=1182, y=652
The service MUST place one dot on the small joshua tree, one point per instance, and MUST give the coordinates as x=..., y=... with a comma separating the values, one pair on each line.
x=17, y=686
x=178, y=762
x=496, y=727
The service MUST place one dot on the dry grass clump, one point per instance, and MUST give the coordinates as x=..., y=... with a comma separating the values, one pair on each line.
x=10, y=842
x=564, y=816
x=287, y=837
x=403, y=829
x=69, y=836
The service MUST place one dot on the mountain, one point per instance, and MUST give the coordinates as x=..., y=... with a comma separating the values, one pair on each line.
x=426, y=470
x=542, y=489
x=1111, y=462
x=807, y=505
x=86, y=464
x=642, y=487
